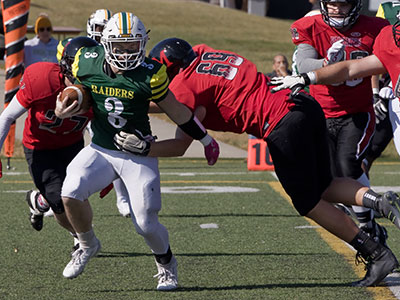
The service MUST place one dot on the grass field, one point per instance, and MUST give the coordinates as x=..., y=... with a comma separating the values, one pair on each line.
x=261, y=249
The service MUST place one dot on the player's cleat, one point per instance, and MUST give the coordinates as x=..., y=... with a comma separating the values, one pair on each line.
x=388, y=205
x=377, y=232
x=377, y=215
x=79, y=260
x=36, y=221
x=378, y=265
x=167, y=275
x=123, y=208
x=35, y=216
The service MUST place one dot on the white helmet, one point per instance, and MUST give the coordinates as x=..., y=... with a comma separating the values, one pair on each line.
x=96, y=23
x=124, y=27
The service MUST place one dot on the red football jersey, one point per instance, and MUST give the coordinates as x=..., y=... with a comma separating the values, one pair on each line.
x=351, y=96
x=388, y=53
x=38, y=92
x=234, y=93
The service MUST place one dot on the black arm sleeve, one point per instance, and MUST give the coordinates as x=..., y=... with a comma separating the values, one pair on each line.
x=193, y=128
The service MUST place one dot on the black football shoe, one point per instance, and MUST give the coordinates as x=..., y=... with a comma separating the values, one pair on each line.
x=378, y=265
x=35, y=216
x=388, y=205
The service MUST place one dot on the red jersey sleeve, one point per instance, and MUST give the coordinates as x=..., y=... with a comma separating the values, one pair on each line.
x=24, y=92
x=302, y=30
x=385, y=47
x=386, y=50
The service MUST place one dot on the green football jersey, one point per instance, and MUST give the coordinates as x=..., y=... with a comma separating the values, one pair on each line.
x=389, y=11
x=120, y=103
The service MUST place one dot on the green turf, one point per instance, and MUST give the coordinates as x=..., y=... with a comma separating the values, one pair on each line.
x=256, y=253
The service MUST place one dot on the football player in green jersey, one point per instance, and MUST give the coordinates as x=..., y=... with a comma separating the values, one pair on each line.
x=122, y=83
x=94, y=30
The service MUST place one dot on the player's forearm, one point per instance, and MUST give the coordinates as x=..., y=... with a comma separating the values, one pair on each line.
x=350, y=69
x=169, y=148
x=375, y=82
x=175, y=110
x=12, y=112
x=185, y=119
x=5, y=124
x=335, y=73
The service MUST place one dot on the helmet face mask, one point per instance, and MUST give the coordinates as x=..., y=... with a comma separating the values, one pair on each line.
x=340, y=21
x=396, y=33
x=124, y=40
x=96, y=23
x=70, y=50
x=176, y=54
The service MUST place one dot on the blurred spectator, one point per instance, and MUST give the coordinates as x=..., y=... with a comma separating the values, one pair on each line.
x=43, y=47
x=280, y=66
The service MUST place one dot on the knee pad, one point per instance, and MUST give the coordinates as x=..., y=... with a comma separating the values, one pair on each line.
x=55, y=201
x=146, y=224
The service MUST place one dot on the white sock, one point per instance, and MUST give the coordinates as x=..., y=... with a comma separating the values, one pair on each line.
x=76, y=240
x=87, y=239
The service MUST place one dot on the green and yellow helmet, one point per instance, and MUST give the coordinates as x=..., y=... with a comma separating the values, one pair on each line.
x=124, y=27
x=96, y=23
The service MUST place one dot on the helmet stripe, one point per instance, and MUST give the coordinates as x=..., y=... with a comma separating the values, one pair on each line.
x=125, y=28
x=75, y=64
x=120, y=23
x=129, y=24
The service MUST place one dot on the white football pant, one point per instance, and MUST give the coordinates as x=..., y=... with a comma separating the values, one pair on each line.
x=95, y=167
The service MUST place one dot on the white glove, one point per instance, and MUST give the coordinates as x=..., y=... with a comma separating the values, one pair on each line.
x=381, y=103
x=132, y=142
x=335, y=53
x=295, y=83
x=386, y=93
x=380, y=108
